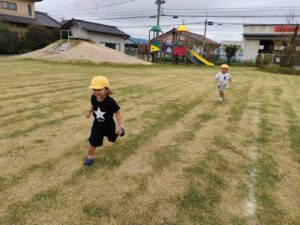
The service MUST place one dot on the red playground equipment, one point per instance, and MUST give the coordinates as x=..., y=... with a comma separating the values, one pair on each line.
x=175, y=45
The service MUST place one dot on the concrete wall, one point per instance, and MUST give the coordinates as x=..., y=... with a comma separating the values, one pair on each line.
x=251, y=48
x=99, y=38
x=259, y=29
x=22, y=8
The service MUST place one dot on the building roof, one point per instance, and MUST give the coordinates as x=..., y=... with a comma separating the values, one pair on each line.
x=16, y=19
x=95, y=27
x=44, y=19
x=41, y=19
x=136, y=41
x=196, y=37
x=274, y=24
x=267, y=36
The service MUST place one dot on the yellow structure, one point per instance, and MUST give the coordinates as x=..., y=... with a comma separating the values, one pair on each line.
x=202, y=59
x=182, y=28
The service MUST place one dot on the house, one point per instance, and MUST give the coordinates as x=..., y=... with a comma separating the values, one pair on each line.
x=109, y=36
x=21, y=13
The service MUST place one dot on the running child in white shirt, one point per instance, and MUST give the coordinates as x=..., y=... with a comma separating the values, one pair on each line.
x=221, y=79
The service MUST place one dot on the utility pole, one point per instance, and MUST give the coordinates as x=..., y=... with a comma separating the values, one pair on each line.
x=203, y=45
x=205, y=28
x=159, y=3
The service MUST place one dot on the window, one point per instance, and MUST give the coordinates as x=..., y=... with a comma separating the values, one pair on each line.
x=29, y=10
x=8, y=5
x=115, y=46
x=111, y=45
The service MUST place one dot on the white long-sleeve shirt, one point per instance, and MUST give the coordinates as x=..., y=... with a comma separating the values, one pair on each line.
x=222, y=78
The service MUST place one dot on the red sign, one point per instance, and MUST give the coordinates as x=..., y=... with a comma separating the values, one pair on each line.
x=179, y=51
x=285, y=29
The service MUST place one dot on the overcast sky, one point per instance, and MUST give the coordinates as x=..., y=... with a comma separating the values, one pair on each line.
x=223, y=28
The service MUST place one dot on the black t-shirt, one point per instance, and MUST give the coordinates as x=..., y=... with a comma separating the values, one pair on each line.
x=103, y=111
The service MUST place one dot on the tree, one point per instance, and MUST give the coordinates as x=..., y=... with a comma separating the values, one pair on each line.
x=230, y=52
x=289, y=42
x=37, y=37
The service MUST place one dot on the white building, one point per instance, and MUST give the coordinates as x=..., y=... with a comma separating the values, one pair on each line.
x=260, y=38
x=108, y=36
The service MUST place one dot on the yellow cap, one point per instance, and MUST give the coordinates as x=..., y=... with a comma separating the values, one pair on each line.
x=99, y=82
x=225, y=66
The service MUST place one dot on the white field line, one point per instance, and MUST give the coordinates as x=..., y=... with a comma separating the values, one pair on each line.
x=250, y=208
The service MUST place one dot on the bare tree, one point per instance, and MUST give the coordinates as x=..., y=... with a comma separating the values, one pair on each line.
x=290, y=41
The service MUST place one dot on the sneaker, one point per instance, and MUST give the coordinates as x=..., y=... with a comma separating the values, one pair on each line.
x=221, y=99
x=88, y=162
x=122, y=131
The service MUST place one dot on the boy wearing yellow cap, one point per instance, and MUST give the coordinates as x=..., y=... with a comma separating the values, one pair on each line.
x=221, y=78
x=103, y=107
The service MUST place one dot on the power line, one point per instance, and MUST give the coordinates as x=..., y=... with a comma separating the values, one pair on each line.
x=208, y=10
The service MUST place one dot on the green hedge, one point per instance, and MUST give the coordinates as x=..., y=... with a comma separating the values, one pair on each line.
x=9, y=40
x=35, y=37
x=281, y=70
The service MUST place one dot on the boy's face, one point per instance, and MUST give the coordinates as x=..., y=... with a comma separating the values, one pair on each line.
x=99, y=92
x=223, y=70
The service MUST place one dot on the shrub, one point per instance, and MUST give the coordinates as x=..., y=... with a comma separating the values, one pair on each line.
x=9, y=40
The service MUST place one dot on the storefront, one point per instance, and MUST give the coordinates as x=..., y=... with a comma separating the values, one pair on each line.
x=261, y=38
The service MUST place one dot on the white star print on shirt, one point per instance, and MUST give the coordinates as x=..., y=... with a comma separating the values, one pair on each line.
x=99, y=115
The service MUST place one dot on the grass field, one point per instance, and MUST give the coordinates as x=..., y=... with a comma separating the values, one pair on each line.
x=186, y=158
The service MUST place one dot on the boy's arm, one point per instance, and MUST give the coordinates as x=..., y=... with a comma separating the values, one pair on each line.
x=118, y=121
x=89, y=112
x=216, y=77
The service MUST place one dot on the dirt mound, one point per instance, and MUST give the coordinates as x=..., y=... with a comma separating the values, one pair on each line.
x=83, y=51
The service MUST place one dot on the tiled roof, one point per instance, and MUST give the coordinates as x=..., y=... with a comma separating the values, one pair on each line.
x=16, y=19
x=95, y=27
x=136, y=41
x=42, y=19
x=196, y=37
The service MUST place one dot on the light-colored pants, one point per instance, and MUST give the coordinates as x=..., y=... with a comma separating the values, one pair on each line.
x=221, y=87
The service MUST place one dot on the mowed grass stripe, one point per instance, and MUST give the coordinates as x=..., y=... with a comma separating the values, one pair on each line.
x=206, y=179
x=52, y=90
x=267, y=177
x=35, y=112
x=165, y=157
x=293, y=121
x=71, y=98
x=39, y=93
x=122, y=91
x=288, y=156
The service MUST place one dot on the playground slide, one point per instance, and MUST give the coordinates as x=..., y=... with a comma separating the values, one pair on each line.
x=192, y=58
x=198, y=57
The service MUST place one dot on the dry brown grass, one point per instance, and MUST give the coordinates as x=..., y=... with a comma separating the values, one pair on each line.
x=186, y=158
